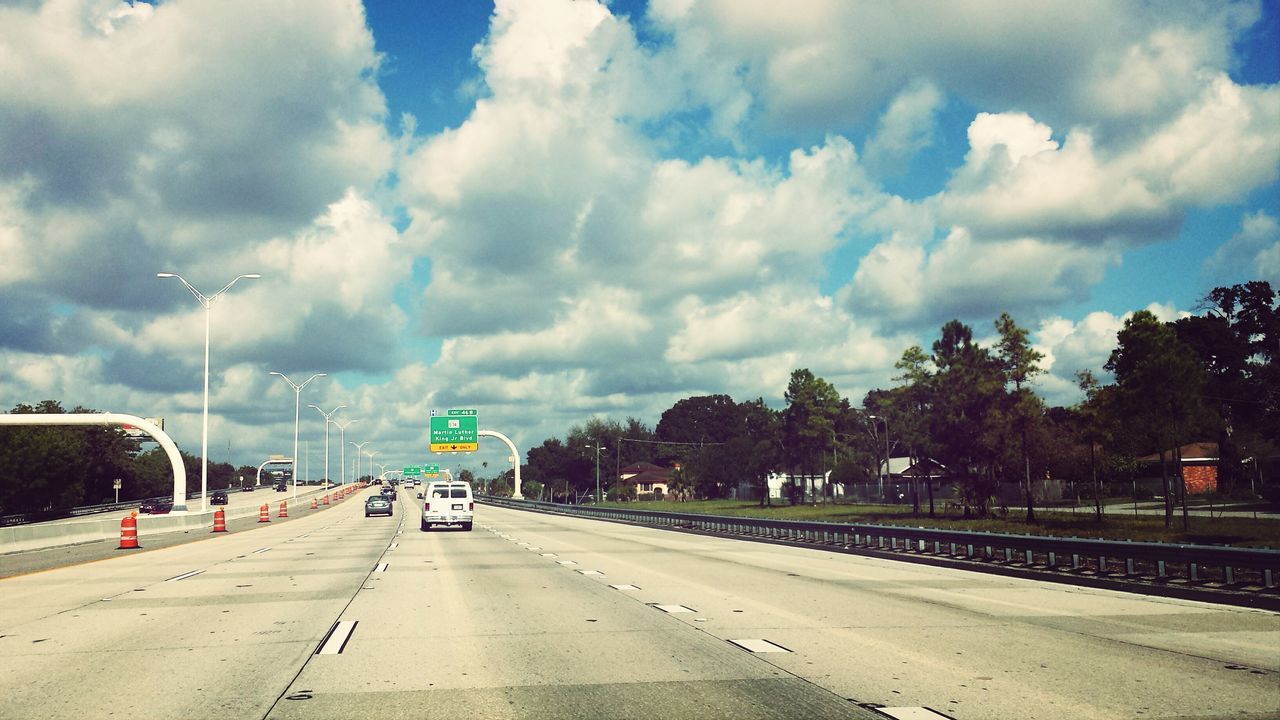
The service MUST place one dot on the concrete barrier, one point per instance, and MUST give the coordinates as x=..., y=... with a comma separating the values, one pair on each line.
x=75, y=531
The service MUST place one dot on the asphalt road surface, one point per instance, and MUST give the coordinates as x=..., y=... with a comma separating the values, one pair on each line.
x=334, y=615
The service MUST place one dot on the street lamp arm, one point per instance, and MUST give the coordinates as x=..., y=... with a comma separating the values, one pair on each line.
x=247, y=276
x=296, y=387
x=204, y=301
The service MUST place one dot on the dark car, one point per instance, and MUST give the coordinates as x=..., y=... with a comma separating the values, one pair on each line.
x=282, y=487
x=156, y=506
x=247, y=488
x=389, y=493
x=219, y=497
x=377, y=505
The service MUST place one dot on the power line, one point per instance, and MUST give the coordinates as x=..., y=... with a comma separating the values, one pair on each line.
x=667, y=442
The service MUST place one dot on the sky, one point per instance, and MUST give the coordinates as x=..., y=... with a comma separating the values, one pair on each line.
x=553, y=210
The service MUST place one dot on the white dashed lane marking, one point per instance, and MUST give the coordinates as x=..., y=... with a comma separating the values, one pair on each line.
x=758, y=645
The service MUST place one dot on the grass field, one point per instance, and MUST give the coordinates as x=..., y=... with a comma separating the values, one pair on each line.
x=1242, y=532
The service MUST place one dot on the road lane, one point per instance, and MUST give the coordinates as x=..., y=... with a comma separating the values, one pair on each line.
x=123, y=638
x=970, y=644
x=543, y=616
x=465, y=625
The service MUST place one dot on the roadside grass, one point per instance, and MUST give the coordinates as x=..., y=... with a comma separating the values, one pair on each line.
x=1236, y=531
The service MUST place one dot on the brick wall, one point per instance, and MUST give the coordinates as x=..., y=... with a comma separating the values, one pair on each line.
x=1201, y=479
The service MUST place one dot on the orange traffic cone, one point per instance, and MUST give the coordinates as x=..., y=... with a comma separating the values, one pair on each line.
x=314, y=505
x=264, y=513
x=325, y=500
x=219, y=520
x=129, y=533
x=284, y=509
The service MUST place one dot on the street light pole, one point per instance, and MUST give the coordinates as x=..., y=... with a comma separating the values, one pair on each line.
x=355, y=461
x=598, y=447
x=342, y=443
x=207, y=302
x=327, y=419
x=371, y=454
x=297, y=404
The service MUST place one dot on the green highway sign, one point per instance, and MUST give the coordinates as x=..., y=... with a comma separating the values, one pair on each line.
x=431, y=470
x=455, y=432
x=413, y=470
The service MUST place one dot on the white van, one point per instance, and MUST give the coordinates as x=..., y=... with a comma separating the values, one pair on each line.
x=448, y=503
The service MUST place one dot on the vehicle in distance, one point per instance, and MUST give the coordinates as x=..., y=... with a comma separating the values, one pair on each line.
x=377, y=505
x=247, y=488
x=389, y=492
x=448, y=503
x=219, y=497
x=282, y=487
x=155, y=506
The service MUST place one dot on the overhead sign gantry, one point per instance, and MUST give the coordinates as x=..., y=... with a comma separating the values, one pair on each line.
x=454, y=432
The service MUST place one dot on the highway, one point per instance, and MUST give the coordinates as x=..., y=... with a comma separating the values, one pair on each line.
x=545, y=616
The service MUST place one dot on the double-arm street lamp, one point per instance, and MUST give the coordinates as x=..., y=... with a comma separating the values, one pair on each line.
x=371, y=454
x=342, y=443
x=355, y=461
x=297, y=404
x=328, y=417
x=207, y=302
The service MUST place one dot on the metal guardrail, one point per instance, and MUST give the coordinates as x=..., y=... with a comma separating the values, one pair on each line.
x=1121, y=563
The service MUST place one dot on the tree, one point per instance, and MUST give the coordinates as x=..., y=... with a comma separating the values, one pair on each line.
x=1091, y=421
x=965, y=423
x=558, y=467
x=693, y=423
x=1020, y=362
x=1237, y=341
x=809, y=420
x=1159, y=382
x=909, y=406
x=762, y=428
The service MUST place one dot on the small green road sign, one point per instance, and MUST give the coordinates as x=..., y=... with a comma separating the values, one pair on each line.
x=413, y=470
x=456, y=432
x=431, y=471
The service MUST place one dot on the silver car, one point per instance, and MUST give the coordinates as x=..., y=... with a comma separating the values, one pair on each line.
x=377, y=505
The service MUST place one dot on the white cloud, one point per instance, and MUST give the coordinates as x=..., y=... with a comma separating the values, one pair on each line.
x=1071, y=347
x=830, y=64
x=615, y=225
x=905, y=128
x=1253, y=253
x=119, y=148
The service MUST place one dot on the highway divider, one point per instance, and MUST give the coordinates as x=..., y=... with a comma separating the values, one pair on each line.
x=104, y=526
